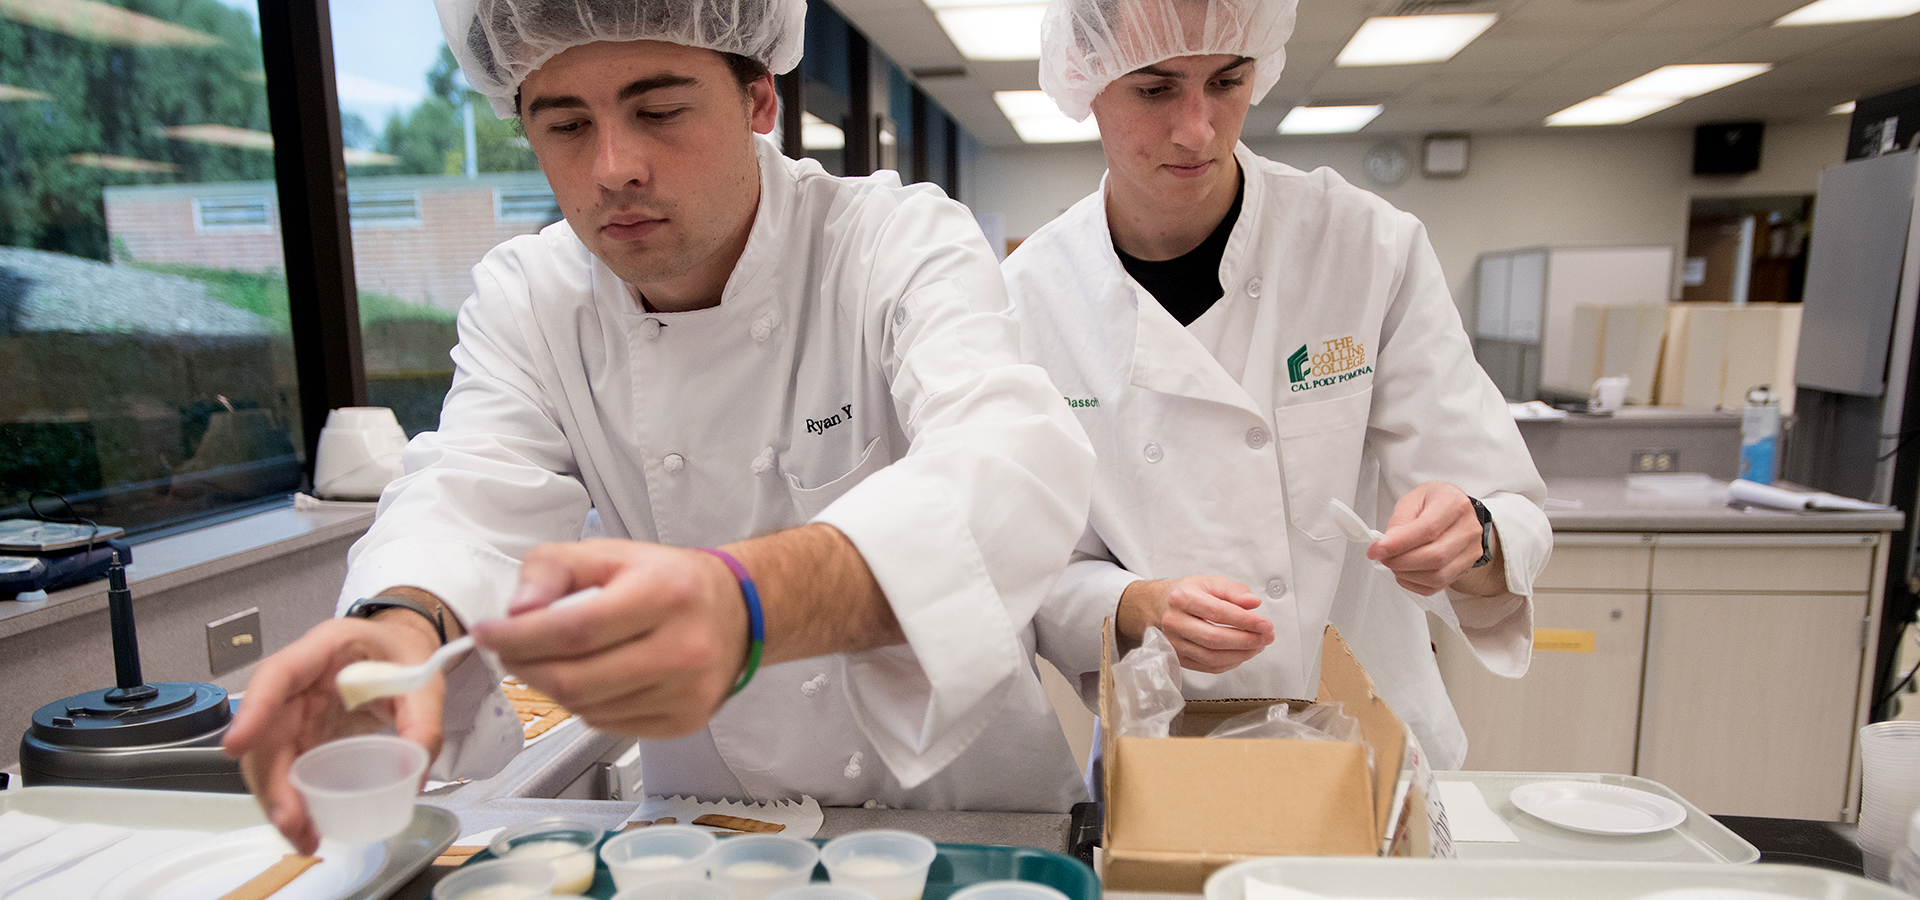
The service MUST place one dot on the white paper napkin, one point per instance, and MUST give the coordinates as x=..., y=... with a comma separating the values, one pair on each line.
x=85, y=879
x=802, y=817
x=1471, y=818
x=70, y=843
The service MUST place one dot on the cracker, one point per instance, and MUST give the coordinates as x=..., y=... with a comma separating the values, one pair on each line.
x=276, y=876
x=737, y=823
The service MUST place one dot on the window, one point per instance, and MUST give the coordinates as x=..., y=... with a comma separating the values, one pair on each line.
x=244, y=214
x=526, y=204
x=393, y=209
x=144, y=339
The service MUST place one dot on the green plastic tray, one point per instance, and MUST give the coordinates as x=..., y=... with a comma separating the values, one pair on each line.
x=956, y=866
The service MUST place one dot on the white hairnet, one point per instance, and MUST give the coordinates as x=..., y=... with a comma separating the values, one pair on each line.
x=1086, y=44
x=498, y=42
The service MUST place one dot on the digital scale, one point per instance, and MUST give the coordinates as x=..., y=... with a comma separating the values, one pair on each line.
x=48, y=556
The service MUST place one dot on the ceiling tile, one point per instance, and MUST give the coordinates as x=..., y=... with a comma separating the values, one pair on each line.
x=1518, y=55
x=1367, y=81
x=1720, y=13
x=1561, y=17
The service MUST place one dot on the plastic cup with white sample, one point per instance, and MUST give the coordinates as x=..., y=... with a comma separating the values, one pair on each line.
x=657, y=853
x=565, y=844
x=756, y=865
x=498, y=879
x=890, y=865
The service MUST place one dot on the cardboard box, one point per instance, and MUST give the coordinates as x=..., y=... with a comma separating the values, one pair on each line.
x=1178, y=808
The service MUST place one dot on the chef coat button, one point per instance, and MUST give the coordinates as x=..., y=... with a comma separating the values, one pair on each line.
x=674, y=462
x=1276, y=588
x=1152, y=453
x=651, y=328
x=900, y=316
x=1256, y=437
x=1253, y=287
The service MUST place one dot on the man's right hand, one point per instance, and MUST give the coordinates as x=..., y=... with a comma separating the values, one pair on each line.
x=291, y=706
x=1211, y=620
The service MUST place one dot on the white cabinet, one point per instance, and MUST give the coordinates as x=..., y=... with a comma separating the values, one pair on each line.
x=1731, y=668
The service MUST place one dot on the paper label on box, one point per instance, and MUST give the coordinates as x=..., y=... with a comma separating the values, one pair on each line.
x=1421, y=792
x=1562, y=640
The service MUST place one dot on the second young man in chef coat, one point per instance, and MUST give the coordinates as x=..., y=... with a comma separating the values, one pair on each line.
x=720, y=347
x=1246, y=342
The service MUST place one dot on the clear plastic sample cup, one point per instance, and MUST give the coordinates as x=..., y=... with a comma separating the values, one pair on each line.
x=565, y=844
x=756, y=865
x=1007, y=890
x=890, y=865
x=360, y=789
x=497, y=879
x=689, y=889
x=818, y=891
x=657, y=853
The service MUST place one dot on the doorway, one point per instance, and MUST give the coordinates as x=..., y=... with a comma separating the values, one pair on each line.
x=1747, y=249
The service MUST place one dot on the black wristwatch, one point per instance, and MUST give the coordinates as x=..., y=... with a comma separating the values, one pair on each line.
x=365, y=607
x=1486, y=533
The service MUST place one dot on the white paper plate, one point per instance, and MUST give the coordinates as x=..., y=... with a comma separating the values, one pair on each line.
x=1597, y=808
x=214, y=866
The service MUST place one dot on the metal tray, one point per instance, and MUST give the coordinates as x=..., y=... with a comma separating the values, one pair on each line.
x=954, y=866
x=431, y=831
x=1700, y=839
x=1459, y=879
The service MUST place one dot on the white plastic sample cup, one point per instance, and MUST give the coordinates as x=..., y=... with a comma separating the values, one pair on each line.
x=360, y=789
x=1609, y=393
x=657, y=853
x=1006, y=890
x=565, y=844
x=890, y=865
x=1889, y=791
x=754, y=866
x=497, y=879
x=684, y=889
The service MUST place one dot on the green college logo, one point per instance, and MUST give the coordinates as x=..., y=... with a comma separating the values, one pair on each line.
x=1297, y=368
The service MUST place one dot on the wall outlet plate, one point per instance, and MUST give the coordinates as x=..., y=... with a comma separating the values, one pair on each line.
x=233, y=642
x=1653, y=461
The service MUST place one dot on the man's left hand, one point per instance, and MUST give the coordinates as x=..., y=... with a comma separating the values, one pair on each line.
x=1432, y=541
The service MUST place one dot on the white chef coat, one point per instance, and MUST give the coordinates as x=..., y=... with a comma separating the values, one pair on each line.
x=862, y=370
x=1335, y=366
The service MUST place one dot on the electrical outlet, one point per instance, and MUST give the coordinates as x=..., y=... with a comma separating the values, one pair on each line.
x=1654, y=461
x=234, y=641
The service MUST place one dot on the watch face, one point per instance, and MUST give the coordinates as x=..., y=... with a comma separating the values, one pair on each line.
x=1387, y=165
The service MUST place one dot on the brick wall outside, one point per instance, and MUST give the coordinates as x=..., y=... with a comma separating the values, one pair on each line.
x=429, y=262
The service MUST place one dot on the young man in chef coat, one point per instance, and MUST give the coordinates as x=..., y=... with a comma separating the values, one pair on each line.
x=817, y=378
x=1246, y=342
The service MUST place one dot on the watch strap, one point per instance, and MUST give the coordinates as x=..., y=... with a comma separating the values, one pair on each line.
x=365, y=607
x=1486, y=532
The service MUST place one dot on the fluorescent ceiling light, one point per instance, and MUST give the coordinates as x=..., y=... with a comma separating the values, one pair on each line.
x=1039, y=121
x=248, y=139
x=122, y=163
x=9, y=92
x=1688, y=81
x=1607, y=109
x=103, y=23
x=1841, y=109
x=817, y=134
x=1824, y=12
x=1001, y=31
x=1404, y=40
x=1328, y=119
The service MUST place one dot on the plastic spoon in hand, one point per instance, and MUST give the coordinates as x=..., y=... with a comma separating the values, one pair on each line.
x=369, y=680
x=1350, y=524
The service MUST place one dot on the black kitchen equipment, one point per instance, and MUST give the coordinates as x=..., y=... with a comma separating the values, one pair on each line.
x=162, y=735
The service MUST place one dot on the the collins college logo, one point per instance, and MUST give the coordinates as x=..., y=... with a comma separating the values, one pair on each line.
x=1339, y=360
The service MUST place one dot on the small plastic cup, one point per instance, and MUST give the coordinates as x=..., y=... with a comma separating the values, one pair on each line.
x=757, y=865
x=686, y=889
x=360, y=789
x=657, y=853
x=821, y=892
x=565, y=844
x=497, y=879
x=890, y=865
x=1004, y=890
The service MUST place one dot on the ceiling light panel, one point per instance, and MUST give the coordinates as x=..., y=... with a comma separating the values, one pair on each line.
x=1328, y=119
x=1004, y=31
x=1038, y=121
x=819, y=134
x=1827, y=12
x=1688, y=81
x=1608, y=109
x=1407, y=40
x=1841, y=109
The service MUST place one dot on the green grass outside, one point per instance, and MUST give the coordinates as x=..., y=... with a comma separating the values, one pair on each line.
x=265, y=294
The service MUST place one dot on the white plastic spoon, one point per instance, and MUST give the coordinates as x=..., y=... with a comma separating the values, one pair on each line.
x=369, y=680
x=1350, y=524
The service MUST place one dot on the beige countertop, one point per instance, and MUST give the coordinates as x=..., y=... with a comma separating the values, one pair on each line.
x=1610, y=504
